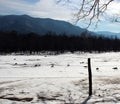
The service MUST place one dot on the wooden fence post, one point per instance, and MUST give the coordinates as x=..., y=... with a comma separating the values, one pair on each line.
x=90, y=77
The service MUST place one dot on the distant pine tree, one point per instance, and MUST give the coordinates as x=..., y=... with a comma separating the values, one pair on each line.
x=14, y=42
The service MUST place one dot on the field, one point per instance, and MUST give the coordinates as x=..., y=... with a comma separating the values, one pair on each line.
x=59, y=79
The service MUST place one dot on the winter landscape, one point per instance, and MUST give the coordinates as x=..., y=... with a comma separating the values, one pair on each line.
x=59, y=79
x=59, y=51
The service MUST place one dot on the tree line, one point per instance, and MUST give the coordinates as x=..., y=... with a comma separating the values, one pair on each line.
x=14, y=42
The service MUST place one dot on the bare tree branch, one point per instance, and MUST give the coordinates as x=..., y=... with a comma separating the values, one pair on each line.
x=93, y=12
x=90, y=10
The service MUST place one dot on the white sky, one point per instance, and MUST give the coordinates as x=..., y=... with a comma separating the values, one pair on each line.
x=49, y=9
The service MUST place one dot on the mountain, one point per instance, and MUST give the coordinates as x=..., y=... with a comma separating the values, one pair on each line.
x=108, y=34
x=27, y=24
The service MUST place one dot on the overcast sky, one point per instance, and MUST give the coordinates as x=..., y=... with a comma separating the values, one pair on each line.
x=49, y=9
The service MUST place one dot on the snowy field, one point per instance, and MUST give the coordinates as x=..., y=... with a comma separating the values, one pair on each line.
x=59, y=79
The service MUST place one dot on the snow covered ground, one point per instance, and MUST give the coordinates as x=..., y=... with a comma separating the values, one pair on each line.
x=59, y=79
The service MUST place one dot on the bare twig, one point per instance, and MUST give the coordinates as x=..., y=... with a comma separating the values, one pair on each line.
x=90, y=10
x=93, y=12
